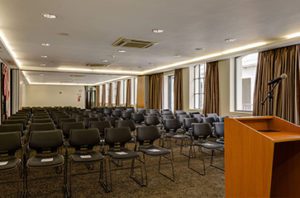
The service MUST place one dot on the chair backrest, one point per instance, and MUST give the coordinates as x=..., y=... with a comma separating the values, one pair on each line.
x=181, y=118
x=18, y=121
x=137, y=117
x=167, y=116
x=107, y=111
x=187, y=123
x=201, y=130
x=112, y=120
x=172, y=124
x=210, y=120
x=43, y=120
x=213, y=115
x=67, y=126
x=151, y=120
x=84, y=138
x=219, y=129
x=64, y=120
x=117, y=113
x=11, y=128
x=45, y=140
x=126, y=123
x=126, y=114
x=100, y=125
x=147, y=134
x=10, y=142
x=199, y=118
x=115, y=136
x=42, y=126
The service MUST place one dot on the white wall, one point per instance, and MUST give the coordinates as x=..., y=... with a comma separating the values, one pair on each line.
x=54, y=95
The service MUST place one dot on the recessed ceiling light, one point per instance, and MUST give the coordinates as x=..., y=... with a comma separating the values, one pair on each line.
x=45, y=44
x=44, y=56
x=49, y=16
x=230, y=40
x=43, y=64
x=105, y=61
x=122, y=51
x=157, y=31
x=199, y=48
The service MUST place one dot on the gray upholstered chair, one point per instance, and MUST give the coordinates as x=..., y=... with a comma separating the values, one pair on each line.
x=137, y=117
x=10, y=144
x=46, y=145
x=67, y=126
x=146, y=135
x=11, y=128
x=84, y=141
x=117, y=138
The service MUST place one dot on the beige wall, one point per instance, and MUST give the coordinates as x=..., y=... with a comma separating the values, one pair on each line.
x=54, y=95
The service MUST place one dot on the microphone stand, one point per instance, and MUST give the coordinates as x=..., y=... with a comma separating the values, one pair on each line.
x=270, y=97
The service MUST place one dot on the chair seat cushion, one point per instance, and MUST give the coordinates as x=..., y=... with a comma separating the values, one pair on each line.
x=210, y=145
x=57, y=160
x=220, y=140
x=9, y=164
x=154, y=151
x=123, y=154
x=87, y=157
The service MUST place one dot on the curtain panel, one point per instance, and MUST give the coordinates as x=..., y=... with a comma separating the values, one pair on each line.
x=178, y=92
x=211, y=88
x=110, y=94
x=128, y=92
x=155, y=91
x=118, y=93
x=286, y=101
x=103, y=95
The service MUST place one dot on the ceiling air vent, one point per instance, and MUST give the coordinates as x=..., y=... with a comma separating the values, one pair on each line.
x=98, y=65
x=123, y=42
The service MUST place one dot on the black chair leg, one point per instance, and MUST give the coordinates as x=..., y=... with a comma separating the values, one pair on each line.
x=132, y=171
x=189, y=161
x=212, y=161
x=170, y=159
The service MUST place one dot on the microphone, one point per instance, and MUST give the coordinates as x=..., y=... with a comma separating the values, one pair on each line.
x=278, y=79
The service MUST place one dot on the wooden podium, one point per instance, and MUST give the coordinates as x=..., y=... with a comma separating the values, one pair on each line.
x=262, y=157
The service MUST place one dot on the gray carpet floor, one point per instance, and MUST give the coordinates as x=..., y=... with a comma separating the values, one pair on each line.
x=187, y=182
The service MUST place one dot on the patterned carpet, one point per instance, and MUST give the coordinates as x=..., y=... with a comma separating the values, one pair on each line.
x=187, y=182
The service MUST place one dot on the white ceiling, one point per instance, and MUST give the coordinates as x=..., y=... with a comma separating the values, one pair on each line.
x=93, y=25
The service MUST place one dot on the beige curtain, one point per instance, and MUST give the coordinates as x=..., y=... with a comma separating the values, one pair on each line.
x=128, y=92
x=118, y=93
x=155, y=91
x=178, y=93
x=103, y=95
x=272, y=64
x=110, y=95
x=211, y=88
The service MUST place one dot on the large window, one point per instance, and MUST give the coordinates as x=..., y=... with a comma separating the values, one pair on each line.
x=168, y=91
x=245, y=74
x=197, y=77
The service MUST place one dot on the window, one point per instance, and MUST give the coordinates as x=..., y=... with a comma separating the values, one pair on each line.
x=197, y=77
x=168, y=91
x=114, y=92
x=245, y=74
x=133, y=91
x=106, y=93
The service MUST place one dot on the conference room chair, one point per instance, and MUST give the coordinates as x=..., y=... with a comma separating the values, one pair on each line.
x=64, y=120
x=126, y=115
x=210, y=120
x=219, y=132
x=201, y=131
x=167, y=116
x=146, y=136
x=107, y=111
x=18, y=117
x=112, y=120
x=41, y=126
x=84, y=142
x=89, y=120
x=181, y=118
x=141, y=111
x=11, y=128
x=101, y=126
x=179, y=112
x=17, y=121
x=154, y=111
x=117, y=113
x=42, y=120
x=11, y=160
x=213, y=115
x=67, y=126
x=199, y=118
x=116, y=139
x=166, y=112
x=44, y=155
x=173, y=130
x=130, y=109
x=187, y=124
x=138, y=118
x=129, y=124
